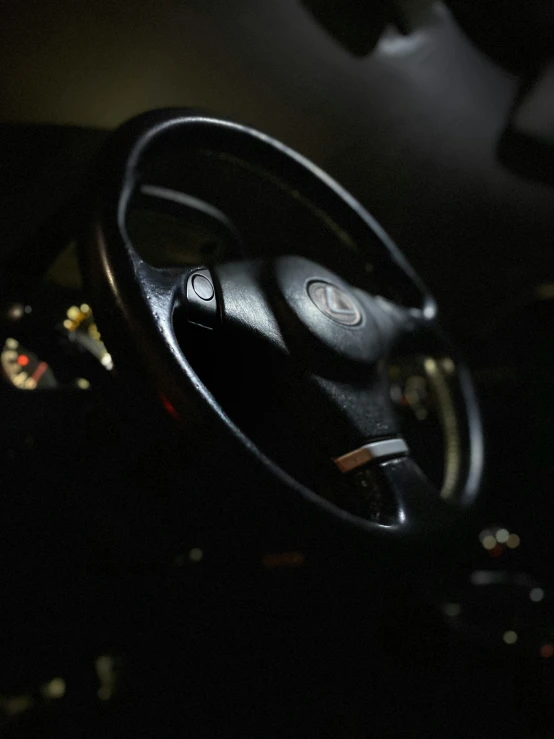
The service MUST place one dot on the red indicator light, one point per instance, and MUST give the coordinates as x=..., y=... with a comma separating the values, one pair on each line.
x=547, y=651
x=170, y=408
x=40, y=370
x=22, y=360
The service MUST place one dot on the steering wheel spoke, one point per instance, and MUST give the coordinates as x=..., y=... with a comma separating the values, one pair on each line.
x=418, y=505
x=386, y=486
x=160, y=286
x=364, y=409
x=397, y=322
x=189, y=290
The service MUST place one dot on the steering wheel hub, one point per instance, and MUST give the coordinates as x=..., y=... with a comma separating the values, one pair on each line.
x=332, y=317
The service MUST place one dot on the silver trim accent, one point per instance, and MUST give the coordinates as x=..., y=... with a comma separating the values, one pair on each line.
x=369, y=452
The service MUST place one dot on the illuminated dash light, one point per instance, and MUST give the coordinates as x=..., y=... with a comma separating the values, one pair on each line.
x=12, y=705
x=12, y=343
x=15, y=312
x=283, y=560
x=452, y=610
x=54, y=689
x=430, y=366
x=448, y=366
x=83, y=384
x=106, y=673
x=489, y=542
x=545, y=292
x=509, y=637
x=513, y=541
x=502, y=536
x=22, y=360
x=85, y=308
x=107, y=361
x=536, y=595
x=547, y=651
x=69, y=325
x=40, y=370
x=19, y=380
x=196, y=555
x=74, y=313
x=170, y=408
x=93, y=332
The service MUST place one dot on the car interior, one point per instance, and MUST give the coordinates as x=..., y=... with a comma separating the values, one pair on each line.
x=277, y=369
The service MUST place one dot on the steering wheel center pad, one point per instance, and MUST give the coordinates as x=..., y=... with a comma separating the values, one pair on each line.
x=295, y=303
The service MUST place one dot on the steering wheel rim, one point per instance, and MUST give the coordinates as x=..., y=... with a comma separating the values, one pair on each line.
x=135, y=304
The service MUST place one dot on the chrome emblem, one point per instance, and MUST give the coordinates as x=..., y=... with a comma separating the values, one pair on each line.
x=334, y=303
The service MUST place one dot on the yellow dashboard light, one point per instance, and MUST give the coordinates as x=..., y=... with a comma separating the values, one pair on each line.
x=196, y=555
x=489, y=542
x=54, y=689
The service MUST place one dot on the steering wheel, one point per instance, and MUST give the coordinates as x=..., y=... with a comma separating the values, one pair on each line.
x=272, y=363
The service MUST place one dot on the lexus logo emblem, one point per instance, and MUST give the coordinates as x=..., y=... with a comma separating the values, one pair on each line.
x=334, y=303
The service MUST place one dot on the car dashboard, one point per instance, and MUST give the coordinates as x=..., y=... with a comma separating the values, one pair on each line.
x=129, y=608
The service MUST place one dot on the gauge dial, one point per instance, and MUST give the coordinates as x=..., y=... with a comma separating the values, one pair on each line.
x=81, y=327
x=421, y=390
x=23, y=369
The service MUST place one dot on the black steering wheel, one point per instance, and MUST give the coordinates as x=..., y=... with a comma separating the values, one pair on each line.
x=272, y=363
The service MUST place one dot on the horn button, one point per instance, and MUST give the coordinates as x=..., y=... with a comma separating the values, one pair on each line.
x=334, y=303
x=322, y=313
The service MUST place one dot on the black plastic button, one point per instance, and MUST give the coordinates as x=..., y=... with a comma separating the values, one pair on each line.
x=201, y=303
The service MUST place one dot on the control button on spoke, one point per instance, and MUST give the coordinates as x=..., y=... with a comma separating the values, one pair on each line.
x=202, y=287
x=201, y=303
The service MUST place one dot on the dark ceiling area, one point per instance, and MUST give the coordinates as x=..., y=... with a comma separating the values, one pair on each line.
x=411, y=129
